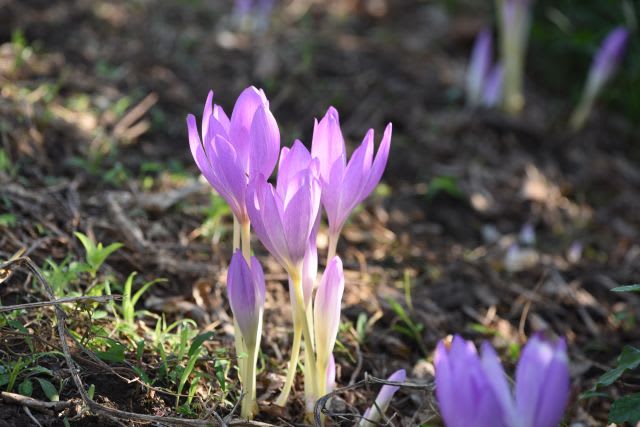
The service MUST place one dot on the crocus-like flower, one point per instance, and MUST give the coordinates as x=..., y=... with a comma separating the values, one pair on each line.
x=233, y=150
x=514, y=23
x=493, y=87
x=604, y=66
x=284, y=217
x=474, y=391
x=373, y=415
x=345, y=185
x=326, y=314
x=253, y=14
x=246, y=290
x=481, y=58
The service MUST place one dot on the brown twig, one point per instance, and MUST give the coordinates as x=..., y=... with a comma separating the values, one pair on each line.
x=65, y=300
x=319, y=407
x=38, y=405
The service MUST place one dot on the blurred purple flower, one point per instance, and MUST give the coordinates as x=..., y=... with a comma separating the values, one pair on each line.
x=253, y=14
x=246, y=290
x=493, y=87
x=474, y=391
x=479, y=66
x=284, y=217
x=345, y=185
x=609, y=56
x=373, y=415
x=605, y=64
x=233, y=150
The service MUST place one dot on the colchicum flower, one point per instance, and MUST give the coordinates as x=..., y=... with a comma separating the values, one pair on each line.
x=479, y=66
x=605, y=64
x=285, y=220
x=326, y=315
x=232, y=151
x=373, y=416
x=514, y=22
x=345, y=185
x=246, y=290
x=493, y=87
x=473, y=390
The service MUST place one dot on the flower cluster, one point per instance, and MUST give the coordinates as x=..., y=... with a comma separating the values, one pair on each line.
x=237, y=156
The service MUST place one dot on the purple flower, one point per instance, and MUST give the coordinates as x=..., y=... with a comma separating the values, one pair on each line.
x=608, y=58
x=345, y=185
x=326, y=312
x=464, y=392
x=284, y=217
x=234, y=150
x=481, y=58
x=373, y=415
x=475, y=391
x=493, y=87
x=246, y=290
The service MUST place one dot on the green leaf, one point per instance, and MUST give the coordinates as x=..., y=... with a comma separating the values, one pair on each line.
x=626, y=409
x=26, y=387
x=592, y=393
x=628, y=359
x=198, y=341
x=49, y=390
x=115, y=353
x=627, y=288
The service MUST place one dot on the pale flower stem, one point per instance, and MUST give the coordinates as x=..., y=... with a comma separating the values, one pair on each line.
x=249, y=387
x=581, y=113
x=333, y=245
x=236, y=234
x=240, y=349
x=293, y=363
x=245, y=237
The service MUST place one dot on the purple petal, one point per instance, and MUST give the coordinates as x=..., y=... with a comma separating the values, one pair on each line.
x=542, y=383
x=481, y=59
x=299, y=216
x=328, y=143
x=373, y=415
x=245, y=287
x=380, y=162
x=353, y=183
x=609, y=56
x=326, y=307
x=292, y=162
x=266, y=218
x=493, y=87
x=206, y=113
x=221, y=116
x=463, y=390
x=230, y=181
x=498, y=380
x=197, y=151
x=240, y=127
x=265, y=143
x=310, y=265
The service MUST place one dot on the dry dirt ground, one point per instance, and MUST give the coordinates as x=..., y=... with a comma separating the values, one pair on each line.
x=92, y=125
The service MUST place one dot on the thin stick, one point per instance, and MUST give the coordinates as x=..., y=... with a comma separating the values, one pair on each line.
x=64, y=300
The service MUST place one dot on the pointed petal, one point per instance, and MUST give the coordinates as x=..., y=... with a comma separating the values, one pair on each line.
x=298, y=219
x=326, y=308
x=231, y=183
x=222, y=117
x=328, y=143
x=292, y=162
x=197, y=151
x=206, y=113
x=379, y=164
x=265, y=143
x=240, y=126
x=498, y=381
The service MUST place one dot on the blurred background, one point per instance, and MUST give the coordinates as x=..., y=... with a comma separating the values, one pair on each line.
x=486, y=224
